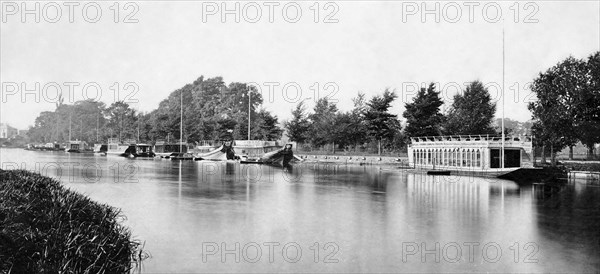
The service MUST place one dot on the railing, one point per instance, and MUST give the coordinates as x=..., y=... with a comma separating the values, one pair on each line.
x=463, y=138
x=163, y=142
x=256, y=143
x=206, y=143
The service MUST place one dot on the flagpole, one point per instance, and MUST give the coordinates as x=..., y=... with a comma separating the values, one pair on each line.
x=503, y=63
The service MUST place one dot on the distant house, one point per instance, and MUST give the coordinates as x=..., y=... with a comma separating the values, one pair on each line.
x=7, y=131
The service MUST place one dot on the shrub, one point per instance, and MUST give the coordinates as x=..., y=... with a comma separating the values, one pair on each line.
x=44, y=227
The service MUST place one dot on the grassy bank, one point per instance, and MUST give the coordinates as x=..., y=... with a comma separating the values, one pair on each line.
x=46, y=228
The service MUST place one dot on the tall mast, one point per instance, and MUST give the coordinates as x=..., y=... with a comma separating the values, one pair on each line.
x=97, y=124
x=181, y=121
x=249, y=98
x=69, y=127
x=503, y=62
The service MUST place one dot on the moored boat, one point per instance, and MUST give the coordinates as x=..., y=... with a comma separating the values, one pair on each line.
x=182, y=156
x=472, y=154
x=165, y=150
x=223, y=153
x=128, y=148
x=100, y=148
x=282, y=157
x=77, y=147
x=252, y=150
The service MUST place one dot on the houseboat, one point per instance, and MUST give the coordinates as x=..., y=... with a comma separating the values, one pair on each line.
x=50, y=147
x=166, y=150
x=77, y=147
x=254, y=149
x=205, y=146
x=473, y=154
x=128, y=148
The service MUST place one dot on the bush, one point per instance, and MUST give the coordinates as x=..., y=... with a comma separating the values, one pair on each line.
x=45, y=227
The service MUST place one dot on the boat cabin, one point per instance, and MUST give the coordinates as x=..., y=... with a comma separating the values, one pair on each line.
x=76, y=146
x=255, y=148
x=470, y=152
x=162, y=147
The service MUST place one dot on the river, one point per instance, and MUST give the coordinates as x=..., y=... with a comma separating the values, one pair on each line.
x=230, y=217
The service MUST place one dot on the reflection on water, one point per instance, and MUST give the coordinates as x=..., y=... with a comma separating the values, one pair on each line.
x=205, y=216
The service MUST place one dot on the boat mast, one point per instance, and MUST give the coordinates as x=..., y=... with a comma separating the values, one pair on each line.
x=69, y=127
x=503, y=62
x=181, y=121
x=97, y=123
x=249, y=97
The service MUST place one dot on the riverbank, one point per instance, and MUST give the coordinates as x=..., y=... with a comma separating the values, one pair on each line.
x=48, y=228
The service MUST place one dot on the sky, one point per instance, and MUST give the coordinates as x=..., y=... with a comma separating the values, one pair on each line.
x=142, y=51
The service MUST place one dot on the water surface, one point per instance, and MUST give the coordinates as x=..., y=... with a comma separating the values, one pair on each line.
x=320, y=218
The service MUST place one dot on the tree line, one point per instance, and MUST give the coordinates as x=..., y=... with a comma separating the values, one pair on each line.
x=567, y=110
x=211, y=110
x=371, y=126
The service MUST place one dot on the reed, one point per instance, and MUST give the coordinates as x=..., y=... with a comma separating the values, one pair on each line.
x=47, y=228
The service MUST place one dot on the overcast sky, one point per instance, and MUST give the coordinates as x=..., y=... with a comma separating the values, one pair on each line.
x=367, y=46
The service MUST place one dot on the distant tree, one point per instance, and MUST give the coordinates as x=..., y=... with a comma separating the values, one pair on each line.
x=423, y=115
x=471, y=112
x=322, y=120
x=297, y=129
x=266, y=127
x=44, y=127
x=356, y=131
x=121, y=120
x=84, y=119
x=381, y=124
x=342, y=130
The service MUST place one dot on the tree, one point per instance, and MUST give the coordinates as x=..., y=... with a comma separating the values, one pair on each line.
x=587, y=105
x=297, y=128
x=121, y=120
x=322, y=121
x=356, y=131
x=555, y=110
x=423, y=115
x=471, y=112
x=381, y=124
x=84, y=119
x=266, y=127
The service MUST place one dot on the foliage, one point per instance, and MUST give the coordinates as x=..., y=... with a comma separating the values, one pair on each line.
x=47, y=228
x=121, y=120
x=587, y=104
x=423, y=115
x=297, y=128
x=85, y=118
x=266, y=127
x=211, y=111
x=555, y=112
x=379, y=122
x=472, y=112
x=322, y=121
